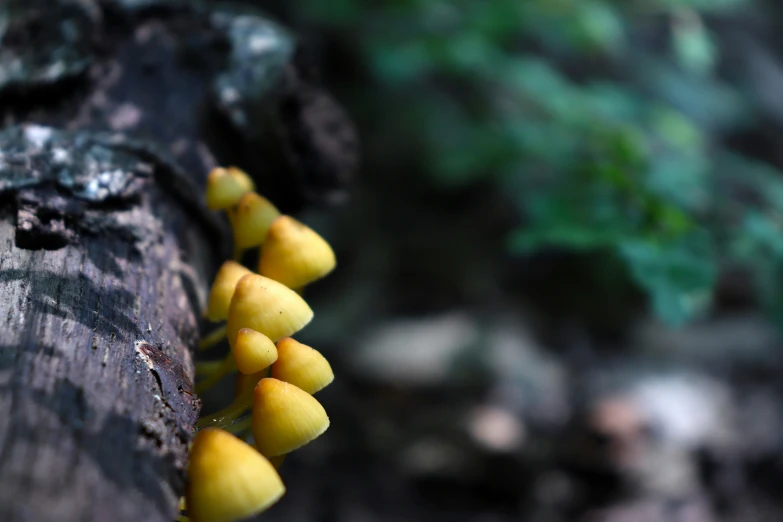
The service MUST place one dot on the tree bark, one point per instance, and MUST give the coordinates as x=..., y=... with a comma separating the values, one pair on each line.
x=106, y=252
x=95, y=374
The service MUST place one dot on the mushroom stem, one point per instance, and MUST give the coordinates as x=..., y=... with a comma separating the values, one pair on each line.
x=241, y=426
x=212, y=338
x=224, y=417
x=227, y=366
x=278, y=461
x=205, y=368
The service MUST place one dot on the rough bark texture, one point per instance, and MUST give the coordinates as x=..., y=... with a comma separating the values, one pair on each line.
x=108, y=108
x=95, y=375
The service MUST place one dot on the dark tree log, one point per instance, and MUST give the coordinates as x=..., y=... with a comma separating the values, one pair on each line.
x=112, y=121
x=97, y=319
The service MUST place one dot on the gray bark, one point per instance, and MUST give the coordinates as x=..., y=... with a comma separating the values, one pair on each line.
x=96, y=319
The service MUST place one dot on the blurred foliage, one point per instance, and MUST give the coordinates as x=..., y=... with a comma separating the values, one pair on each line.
x=604, y=121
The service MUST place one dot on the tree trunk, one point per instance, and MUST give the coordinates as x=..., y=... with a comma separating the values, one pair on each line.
x=107, y=251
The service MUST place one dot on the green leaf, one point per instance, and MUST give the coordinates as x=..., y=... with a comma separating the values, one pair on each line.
x=679, y=277
x=692, y=44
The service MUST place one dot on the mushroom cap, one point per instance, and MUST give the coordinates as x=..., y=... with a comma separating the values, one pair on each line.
x=228, y=479
x=223, y=289
x=266, y=306
x=251, y=220
x=253, y=351
x=295, y=254
x=301, y=366
x=225, y=186
x=284, y=417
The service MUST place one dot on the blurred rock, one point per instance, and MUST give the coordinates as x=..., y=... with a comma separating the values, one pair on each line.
x=435, y=456
x=553, y=488
x=623, y=426
x=688, y=410
x=415, y=352
x=760, y=420
x=527, y=378
x=496, y=429
x=655, y=428
x=654, y=511
x=748, y=341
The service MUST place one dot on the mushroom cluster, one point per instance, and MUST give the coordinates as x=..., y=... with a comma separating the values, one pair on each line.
x=228, y=479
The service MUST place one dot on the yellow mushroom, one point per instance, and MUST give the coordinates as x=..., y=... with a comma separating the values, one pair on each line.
x=251, y=220
x=253, y=351
x=219, y=300
x=225, y=186
x=228, y=479
x=285, y=418
x=301, y=366
x=294, y=254
x=223, y=289
x=268, y=307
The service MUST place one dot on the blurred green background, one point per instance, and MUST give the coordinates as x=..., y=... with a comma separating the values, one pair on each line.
x=559, y=292
x=635, y=131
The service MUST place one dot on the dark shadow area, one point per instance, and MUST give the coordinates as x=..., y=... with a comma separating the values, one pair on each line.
x=80, y=310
